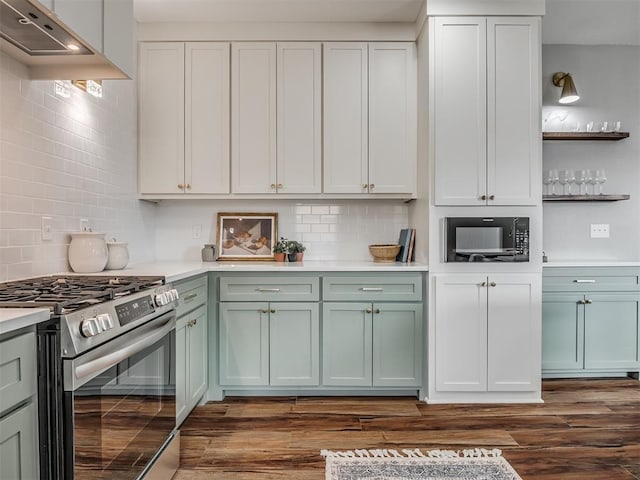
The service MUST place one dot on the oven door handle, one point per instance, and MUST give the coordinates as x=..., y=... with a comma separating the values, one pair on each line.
x=84, y=369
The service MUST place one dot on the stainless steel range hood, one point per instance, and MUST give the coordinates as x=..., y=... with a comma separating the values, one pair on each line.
x=37, y=38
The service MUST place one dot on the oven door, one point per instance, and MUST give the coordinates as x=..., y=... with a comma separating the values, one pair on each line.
x=120, y=402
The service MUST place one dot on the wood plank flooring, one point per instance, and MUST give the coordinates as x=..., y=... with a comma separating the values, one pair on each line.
x=585, y=430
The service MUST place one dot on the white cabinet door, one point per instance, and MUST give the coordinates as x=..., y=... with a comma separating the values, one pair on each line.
x=392, y=117
x=459, y=102
x=161, y=118
x=253, y=116
x=299, y=130
x=461, y=333
x=513, y=110
x=84, y=18
x=345, y=119
x=207, y=118
x=514, y=332
x=118, y=34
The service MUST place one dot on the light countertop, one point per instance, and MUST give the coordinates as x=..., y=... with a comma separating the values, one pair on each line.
x=15, y=318
x=591, y=263
x=174, y=271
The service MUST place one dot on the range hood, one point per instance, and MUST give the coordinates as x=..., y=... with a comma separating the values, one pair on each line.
x=37, y=38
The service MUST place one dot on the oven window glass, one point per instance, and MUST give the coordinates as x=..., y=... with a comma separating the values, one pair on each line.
x=123, y=416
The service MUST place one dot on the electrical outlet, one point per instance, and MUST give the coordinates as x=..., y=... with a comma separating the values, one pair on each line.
x=599, y=230
x=46, y=231
x=196, y=231
x=84, y=225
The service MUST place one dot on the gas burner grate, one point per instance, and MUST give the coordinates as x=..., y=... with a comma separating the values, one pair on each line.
x=64, y=294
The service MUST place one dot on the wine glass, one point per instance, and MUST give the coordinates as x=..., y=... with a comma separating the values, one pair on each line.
x=581, y=180
x=548, y=180
x=554, y=179
x=571, y=180
x=564, y=177
x=591, y=180
x=600, y=179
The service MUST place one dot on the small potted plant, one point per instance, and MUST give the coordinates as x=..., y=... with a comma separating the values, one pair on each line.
x=280, y=249
x=295, y=250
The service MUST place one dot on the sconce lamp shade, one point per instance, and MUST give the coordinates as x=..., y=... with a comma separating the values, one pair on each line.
x=569, y=93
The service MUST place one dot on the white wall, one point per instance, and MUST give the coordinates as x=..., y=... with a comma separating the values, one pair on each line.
x=331, y=230
x=67, y=159
x=608, y=79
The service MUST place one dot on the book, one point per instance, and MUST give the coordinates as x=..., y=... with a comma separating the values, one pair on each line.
x=403, y=241
x=412, y=241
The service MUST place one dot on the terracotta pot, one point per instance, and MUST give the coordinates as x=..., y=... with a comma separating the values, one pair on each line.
x=279, y=257
x=299, y=256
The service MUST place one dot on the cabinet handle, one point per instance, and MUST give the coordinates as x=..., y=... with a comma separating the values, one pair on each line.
x=195, y=322
x=580, y=280
x=190, y=297
x=273, y=310
x=483, y=197
x=273, y=186
x=181, y=186
x=368, y=310
x=264, y=310
x=492, y=284
x=492, y=197
x=371, y=289
x=372, y=186
x=588, y=302
x=280, y=186
x=267, y=289
x=377, y=310
x=580, y=302
x=483, y=284
x=188, y=186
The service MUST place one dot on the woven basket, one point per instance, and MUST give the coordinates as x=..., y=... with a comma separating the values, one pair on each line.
x=384, y=253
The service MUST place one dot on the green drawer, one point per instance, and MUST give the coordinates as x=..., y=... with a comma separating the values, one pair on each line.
x=193, y=293
x=372, y=288
x=255, y=288
x=591, y=279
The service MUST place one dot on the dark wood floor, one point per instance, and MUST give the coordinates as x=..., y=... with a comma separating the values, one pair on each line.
x=586, y=430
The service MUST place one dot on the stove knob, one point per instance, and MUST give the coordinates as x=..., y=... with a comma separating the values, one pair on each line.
x=161, y=299
x=105, y=322
x=90, y=327
x=174, y=294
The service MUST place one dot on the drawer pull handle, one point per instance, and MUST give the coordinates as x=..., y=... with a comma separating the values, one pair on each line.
x=273, y=310
x=581, y=302
x=368, y=310
x=588, y=302
x=268, y=290
x=190, y=297
x=371, y=289
x=584, y=281
x=264, y=310
x=377, y=310
x=483, y=284
x=492, y=284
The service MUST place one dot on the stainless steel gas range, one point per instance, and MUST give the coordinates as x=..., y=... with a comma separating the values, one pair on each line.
x=106, y=375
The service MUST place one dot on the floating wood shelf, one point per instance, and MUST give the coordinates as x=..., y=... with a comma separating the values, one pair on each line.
x=611, y=136
x=584, y=198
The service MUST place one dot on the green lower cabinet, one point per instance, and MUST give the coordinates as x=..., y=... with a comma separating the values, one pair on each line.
x=367, y=344
x=269, y=343
x=590, y=334
x=19, y=445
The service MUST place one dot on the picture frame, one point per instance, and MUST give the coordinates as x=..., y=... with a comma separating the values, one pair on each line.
x=246, y=236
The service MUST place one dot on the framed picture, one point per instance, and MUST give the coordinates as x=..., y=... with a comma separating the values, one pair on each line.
x=247, y=236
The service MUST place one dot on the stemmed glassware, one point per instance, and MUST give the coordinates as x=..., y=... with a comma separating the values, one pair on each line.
x=548, y=180
x=566, y=177
x=600, y=178
x=591, y=180
x=581, y=180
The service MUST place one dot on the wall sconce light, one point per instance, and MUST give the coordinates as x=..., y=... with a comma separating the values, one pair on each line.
x=569, y=93
x=93, y=87
x=62, y=88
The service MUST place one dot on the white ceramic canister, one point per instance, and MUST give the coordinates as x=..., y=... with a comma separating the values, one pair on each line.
x=118, y=255
x=87, y=252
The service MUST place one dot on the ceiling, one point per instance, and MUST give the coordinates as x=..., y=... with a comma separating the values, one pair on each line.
x=277, y=10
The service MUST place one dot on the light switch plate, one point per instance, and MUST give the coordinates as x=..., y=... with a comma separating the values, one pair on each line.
x=599, y=230
x=47, y=228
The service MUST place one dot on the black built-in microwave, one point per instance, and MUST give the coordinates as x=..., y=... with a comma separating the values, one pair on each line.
x=487, y=239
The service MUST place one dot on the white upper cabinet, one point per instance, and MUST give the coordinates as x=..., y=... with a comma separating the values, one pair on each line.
x=84, y=18
x=299, y=118
x=183, y=146
x=118, y=34
x=346, y=118
x=392, y=117
x=485, y=104
x=253, y=114
x=370, y=117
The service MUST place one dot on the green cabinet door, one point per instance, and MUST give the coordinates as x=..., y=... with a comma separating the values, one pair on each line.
x=611, y=332
x=181, y=371
x=397, y=344
x=19, y=444
x=197, y=342
x=347, y=344
x=294, y=344
x=562, y=331
x=244, y=343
